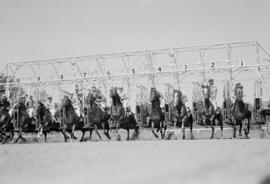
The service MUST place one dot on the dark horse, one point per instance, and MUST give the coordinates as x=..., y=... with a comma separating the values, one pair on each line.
x=67, y=117
x=209, y=113
x=5, y=121
x=180, y=115
x=157, y=117
x=119, y=116
x=44, y=119
x=95, y=118
x=22, y=120
x=240, y=113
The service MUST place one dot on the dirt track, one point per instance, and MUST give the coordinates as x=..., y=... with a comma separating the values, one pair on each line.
x=175, y=161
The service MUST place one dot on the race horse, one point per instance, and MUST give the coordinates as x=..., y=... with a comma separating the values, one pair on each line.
x=67, y=117
x=240, y=113
x=23, y=122
x=5, y=121
x=120, y=117
x=180, y=114
x=43, y=118
x=95, y=117
x=209, y=113
x=157, y=117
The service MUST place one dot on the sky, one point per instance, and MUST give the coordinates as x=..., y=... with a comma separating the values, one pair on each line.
x=44, y=29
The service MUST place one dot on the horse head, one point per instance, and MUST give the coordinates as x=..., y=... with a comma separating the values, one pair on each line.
x=90, y=98
x=39, y=109
x=206, y=91
x=239, y=92
x=113, y=92
x=154, y=95
x=115, y=96
x=66, y=102
x=177, y=97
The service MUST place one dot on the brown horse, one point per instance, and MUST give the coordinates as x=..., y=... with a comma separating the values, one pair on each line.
x=157, y=117
x=122, y=119
x=209, y=113
x=22, y=120
x=96, y=118
x=43, y=119
x=68, y=118
x=5, y=121
x=240, y=113
x=180, y=115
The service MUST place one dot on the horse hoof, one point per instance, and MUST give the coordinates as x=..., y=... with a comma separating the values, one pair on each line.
x=155, y=134
x=192, y=137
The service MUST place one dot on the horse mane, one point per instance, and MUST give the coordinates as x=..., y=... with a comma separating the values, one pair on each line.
x=154, y=97
x=207, y=103
x=116, y=99
x=241, y=104
x=68, y=106
x=180, y=102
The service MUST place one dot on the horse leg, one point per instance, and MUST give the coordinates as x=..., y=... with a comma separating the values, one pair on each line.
x=11, y=135
x=240, y=129
x=65, y=135
x=153, y=127
x=246, y=128
x=127, y=134
x=204, y=121
x=137, y=132
x=73, y=132
x=45, y=135
x=221, y=127
x=17, y=140
x=96, y=130
x=38, y=132
x=108, y=135
x=41, y=132
x=5, y=139
x=90, y=131
x=158, y=129
x=191, y=128
x=83, y=132
x=161, y=126
x=165, y=128
x=234, y=128
x=20, y=137
x=183, y=130
x=106, y=132
x=212, y=128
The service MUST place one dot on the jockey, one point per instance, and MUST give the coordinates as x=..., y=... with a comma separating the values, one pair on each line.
x=4, y=102
x=28, y=101
x=238, y=94
x=240, y=86
x=48, y=103
x=21, y=103
x=213, y=93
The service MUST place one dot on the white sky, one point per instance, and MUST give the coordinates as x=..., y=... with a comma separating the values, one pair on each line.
x=39, y=29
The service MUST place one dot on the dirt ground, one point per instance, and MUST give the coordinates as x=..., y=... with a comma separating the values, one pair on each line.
x=158, y=161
